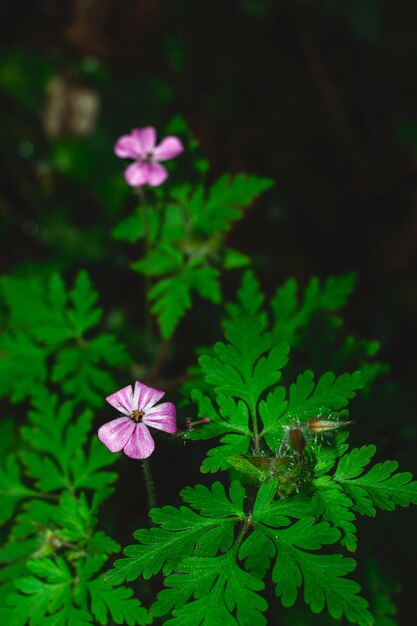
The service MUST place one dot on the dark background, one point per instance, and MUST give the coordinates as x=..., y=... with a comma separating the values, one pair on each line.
x=320, y=96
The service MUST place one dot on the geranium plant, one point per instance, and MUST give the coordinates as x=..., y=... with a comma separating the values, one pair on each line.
x=281, y=511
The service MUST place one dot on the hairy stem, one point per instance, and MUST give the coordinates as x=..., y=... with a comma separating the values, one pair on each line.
x=149, y=484
x=147, y=250
x=246, y=525
x=255, y=429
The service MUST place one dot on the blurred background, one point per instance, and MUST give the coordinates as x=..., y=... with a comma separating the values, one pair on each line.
x=320, y=96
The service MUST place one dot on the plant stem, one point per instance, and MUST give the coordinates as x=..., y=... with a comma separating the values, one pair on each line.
x=147, y=250
x=254, y=427
x=246, y=525
x=150, y=487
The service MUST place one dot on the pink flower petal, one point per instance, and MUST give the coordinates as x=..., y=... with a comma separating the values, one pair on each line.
x=161, y=417
x=116, y=434
x=147, y=396
x=140, y=445
x=157, y=174
x=169, y=148
x=137, y=174
x=122, y=400
x=128, y=147
x=146, y=138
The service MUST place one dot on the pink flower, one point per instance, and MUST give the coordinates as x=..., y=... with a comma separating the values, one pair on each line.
x=131, y=432
x=140, y=145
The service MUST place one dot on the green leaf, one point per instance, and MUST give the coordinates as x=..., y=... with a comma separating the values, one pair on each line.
x=37, y=308
x=323, y=575
x=56, y=458
x=12, y=490
x=291, y=318
x=74, y=517
x=171, y=297
x=80, y=369
x=182, y=532
x=58, y=439
x=214, y=502
x=218, y=458
x=89, y=470
x=116, y=602
x=333, y=504
x=231, y=417
x=47, y=327
x=164, y=260
x=247, y=364
x=249, y=301
x=380, y=487
x=131, y=229
x=47, y=591
x=134, y=228
x=307, y=399
x=224, y=594
x=22, y=365
x=34, y=515
x=83, y=315
x=234, y=259
x=225, y=201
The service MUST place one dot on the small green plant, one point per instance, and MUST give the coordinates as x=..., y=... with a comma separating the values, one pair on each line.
x=281, y=511
x=287, y=504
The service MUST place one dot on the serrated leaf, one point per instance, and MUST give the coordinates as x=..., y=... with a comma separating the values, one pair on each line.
x=80, y=369
x=180, y=533
x=307, y=399
x=16, y=380
x=381, y=487
x=116, y=602
x=12, y=490
x=214, y=502
x=291, y=318
x=46, y=321
x=83, y=315
x=234, y=259
x=247, y=365
x=221, y=590
x=171, y=297
x=322, y=575
x=218, y=457
x=166, y=259
x=90, y=471
x=131, y=229
x=226, y=199
x=333, y=504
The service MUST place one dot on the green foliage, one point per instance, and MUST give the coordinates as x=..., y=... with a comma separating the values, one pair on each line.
x=306, y=400
x=171, y=297
x=296, y=563
x=291, y=316
x=221, y=590
x=381, y=487
x=185, y=243
x=204, y=545
x=297, y=502
x=248, y=365
x=53, y=593
x=48, y=335
x=12, y=490
x=183, y=532
x=53, y=557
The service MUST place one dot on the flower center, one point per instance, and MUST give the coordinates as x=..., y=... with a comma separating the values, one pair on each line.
x=136, y=416
x=148, y=158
